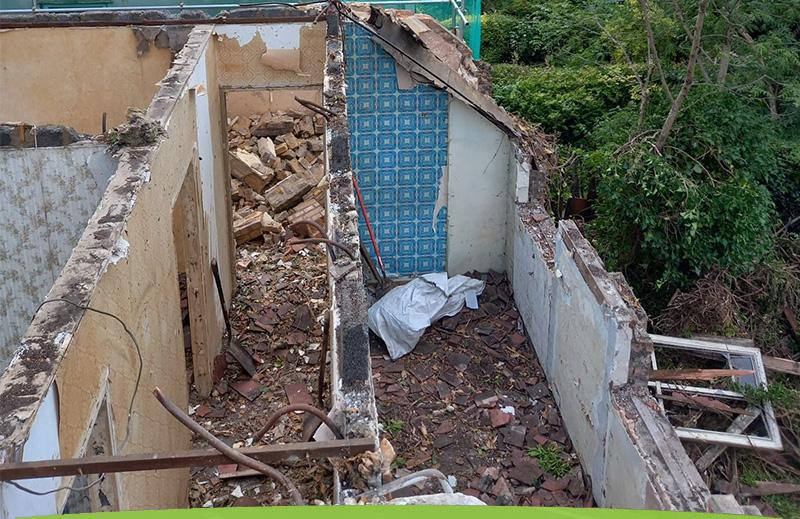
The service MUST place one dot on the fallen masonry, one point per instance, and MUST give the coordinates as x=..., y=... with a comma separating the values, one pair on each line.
x=275, y=183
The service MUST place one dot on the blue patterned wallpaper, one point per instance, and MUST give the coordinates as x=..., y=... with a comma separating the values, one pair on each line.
x=398, y=143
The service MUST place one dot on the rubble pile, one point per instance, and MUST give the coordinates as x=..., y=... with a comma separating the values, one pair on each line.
x=471, y=400
x=277, y=164
x=278, y=315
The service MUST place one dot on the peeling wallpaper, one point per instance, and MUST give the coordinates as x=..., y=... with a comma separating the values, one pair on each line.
x=239, y=51
x=46, y=198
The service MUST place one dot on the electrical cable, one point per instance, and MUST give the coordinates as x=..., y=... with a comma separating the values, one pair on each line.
x=130, y=407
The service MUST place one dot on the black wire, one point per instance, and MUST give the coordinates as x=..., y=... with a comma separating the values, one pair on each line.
x=130, y=407
x=469, y=101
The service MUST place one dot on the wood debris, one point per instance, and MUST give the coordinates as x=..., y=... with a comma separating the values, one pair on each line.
x=697, y=374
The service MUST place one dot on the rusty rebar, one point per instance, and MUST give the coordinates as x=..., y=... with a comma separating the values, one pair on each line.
x=272, y=420
x=326, y=113
x=336, y=244
x=218, y=444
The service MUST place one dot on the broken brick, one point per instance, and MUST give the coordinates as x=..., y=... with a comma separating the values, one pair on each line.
x=298, y=394
x=499, y=418
x=486, y=400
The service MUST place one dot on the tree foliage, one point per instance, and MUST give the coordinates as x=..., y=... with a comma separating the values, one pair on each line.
x=684, y=113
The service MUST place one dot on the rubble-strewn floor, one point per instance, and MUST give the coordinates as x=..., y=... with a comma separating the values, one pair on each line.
x=278, y=309
x=472, y=401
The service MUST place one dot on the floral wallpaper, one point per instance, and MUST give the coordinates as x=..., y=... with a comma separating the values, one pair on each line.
x=47, y=196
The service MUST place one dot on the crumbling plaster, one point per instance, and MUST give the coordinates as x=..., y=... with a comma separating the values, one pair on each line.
x=47, y=78
x=240, y=49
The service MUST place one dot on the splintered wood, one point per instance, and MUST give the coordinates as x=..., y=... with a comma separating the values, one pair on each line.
x=278, y=176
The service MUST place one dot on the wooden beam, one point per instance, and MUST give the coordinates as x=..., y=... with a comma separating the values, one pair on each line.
x=697, y=374
x=180, y=459
x=781, y=365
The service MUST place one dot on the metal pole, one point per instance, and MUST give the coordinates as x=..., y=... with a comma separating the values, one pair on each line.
x=458, y=10
x=181, y=7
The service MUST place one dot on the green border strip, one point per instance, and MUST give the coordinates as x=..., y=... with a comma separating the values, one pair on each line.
x=401, y=512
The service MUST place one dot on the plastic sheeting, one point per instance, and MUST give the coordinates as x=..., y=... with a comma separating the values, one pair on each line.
x=401, y=316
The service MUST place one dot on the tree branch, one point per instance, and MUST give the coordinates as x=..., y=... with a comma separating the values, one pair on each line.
x=687, y=84
x=679, y=14
x=651, y=44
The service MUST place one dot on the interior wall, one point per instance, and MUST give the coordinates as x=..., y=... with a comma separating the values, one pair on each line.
x=477, y=192
x=399, y=153
x=42, y=445
x=245, y=103
x=142, y=289
x=46, y=197
x=274, y=55
x=125, y=263
x=582, y=332
x=72, y=75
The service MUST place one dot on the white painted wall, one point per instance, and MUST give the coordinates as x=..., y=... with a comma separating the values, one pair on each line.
x=42, y=444
x=477, y=192
x=46, y=198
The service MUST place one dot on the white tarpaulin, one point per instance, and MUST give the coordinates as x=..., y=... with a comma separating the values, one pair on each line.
x=401, y=316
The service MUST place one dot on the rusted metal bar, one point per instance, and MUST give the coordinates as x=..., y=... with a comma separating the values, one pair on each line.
x=327, y=114
x=350, y=253
x=272, y=420
x=228, y=451
x=319, y=229
x=181, y=459
x=178, y=21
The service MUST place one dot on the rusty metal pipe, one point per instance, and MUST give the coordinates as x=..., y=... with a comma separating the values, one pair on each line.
x=291, y=241
x=272, y=420
x=313, y=224
x=218, y=444
x=320, y=229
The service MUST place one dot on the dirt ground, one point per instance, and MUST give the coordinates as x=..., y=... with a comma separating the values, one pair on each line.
x=472, y=401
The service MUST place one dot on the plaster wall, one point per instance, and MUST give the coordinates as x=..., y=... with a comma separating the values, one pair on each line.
x=477, y=192
x=582, y=332
x=141, y=289
x=299, y=46
x=245, y=103
x=46, y=197
x=72, y=75
x=126, y=263
x=42, y=445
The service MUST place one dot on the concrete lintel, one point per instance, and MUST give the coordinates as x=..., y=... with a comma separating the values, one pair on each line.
x=351, y=381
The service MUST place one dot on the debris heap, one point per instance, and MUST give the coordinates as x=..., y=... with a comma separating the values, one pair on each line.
x=278, y=176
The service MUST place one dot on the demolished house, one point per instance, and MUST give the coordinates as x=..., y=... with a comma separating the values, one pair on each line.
x=248, y=142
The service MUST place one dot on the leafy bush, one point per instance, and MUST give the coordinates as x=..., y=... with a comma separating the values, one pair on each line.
x=670, y=218
x=566, y=101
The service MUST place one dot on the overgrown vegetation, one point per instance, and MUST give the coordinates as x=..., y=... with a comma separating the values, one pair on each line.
x=550, y=459
x=678, y=123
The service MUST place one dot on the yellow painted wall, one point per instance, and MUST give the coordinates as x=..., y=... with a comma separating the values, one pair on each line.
x=142, y=290
x=72, y=75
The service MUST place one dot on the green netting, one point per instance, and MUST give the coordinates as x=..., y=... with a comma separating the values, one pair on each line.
x=446, y=15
